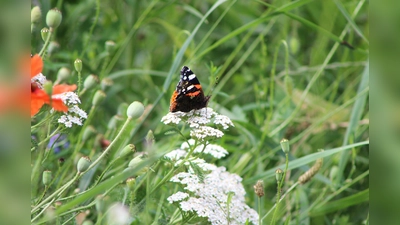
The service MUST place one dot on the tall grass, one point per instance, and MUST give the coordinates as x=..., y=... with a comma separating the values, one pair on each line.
x=283, y=69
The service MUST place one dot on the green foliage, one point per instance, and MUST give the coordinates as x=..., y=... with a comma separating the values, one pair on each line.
x=283, y=69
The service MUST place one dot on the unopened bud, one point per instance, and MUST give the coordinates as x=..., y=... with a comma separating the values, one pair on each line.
x=285, y=145
x=36, y=14
x=88, y=133
x=130, y=183
x=48, y=87
x=53, y=18
x=47, y=177
x=278, y=175
x=129, y=149
x=83, y=164
x=44, y=32
x=53, y=47
x=135, y=110
x=98, y=98
x=105, y=83
x=90, y=81
x=63, y=74
x=150, y=140
x=78, y=65
x=110, y=46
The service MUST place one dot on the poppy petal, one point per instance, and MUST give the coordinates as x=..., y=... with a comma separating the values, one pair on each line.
x=61, y=88
x=36, y=65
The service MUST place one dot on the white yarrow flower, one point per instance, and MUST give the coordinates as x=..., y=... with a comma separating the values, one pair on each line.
x=39, y=79
x=209, y=198
x=178, y=196
x=75, y=115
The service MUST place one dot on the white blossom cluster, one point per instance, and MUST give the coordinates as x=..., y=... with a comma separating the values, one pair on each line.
x=209, y=198
x=198, y=120
x=211, y=149
x=75, y=115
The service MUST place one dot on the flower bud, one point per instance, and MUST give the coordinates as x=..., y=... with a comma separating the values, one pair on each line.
x=105, y=83
x=101, y=203
x=44, y=33
x=278, y=175
x=285, y=145
x=112, y=124
x=83, y=164
x=135, y=161
x=135, y=110
x=110, y=46
x=90, y=82
x=88, y=133
x=150, y=140
x=259, y=188
x=288, y=85
x=53, y=47
x=78, y=65
x=129, y=149
x=47, y=177
x=130, y=183
x=98, y=98
x=122, y=109
x=294, y=45
x=53, y=18
x=63, y=74
x=36, y=14
x=48, y=87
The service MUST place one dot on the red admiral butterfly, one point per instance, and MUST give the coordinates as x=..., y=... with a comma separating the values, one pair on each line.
x=188, y=94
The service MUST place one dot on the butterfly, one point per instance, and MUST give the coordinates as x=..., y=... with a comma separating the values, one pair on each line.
x=188, y=94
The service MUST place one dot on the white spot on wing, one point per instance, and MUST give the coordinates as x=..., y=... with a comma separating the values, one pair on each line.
x=190, y=87
x=191, y=77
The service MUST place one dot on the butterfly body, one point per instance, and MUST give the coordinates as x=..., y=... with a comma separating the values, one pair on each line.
x=188, y=94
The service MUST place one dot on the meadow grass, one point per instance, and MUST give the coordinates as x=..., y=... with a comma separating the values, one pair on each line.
x=295, y=70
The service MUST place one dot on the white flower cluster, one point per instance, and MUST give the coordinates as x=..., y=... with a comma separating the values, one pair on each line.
x=39, y=80
x=197, y=120
x=214, y=150
x=75, y=115
x=210, y=198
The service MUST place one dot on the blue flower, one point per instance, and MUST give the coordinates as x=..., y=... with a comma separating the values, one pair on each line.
x=58, y=142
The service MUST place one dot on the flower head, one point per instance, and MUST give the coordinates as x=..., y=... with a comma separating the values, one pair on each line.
x=210, y=198
x=198, y=120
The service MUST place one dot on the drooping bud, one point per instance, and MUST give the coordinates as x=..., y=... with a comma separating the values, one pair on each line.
x=259, y=188
x=83, y=164
x=53, y=18
x=98, y=98
x=285, y=145
x=47, y=177
x=36, y=14
x=63, y=74
x=105, y=83
x=90, y=81
x=44, y=32
x=135, y=110
x=78, y=65
x=129, y=149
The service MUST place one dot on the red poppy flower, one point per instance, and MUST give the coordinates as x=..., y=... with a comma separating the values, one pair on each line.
x=39, y=97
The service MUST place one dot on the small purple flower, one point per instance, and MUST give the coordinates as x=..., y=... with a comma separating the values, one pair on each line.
x=58, y=142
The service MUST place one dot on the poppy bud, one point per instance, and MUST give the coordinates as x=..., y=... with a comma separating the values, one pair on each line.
x=63, y=74
x=36, y=14
x=135, y=110
x=46, y=177
x=131, y=148
x=90, y=82
x=83, y=164
x=110, y=46
x=278, y=175
x=53, y=18
x=285, y=145
x=98, y=98
x=78, y=65
x=88, y=133
x=105, y=83
x=130, y=183
x=44, y=33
